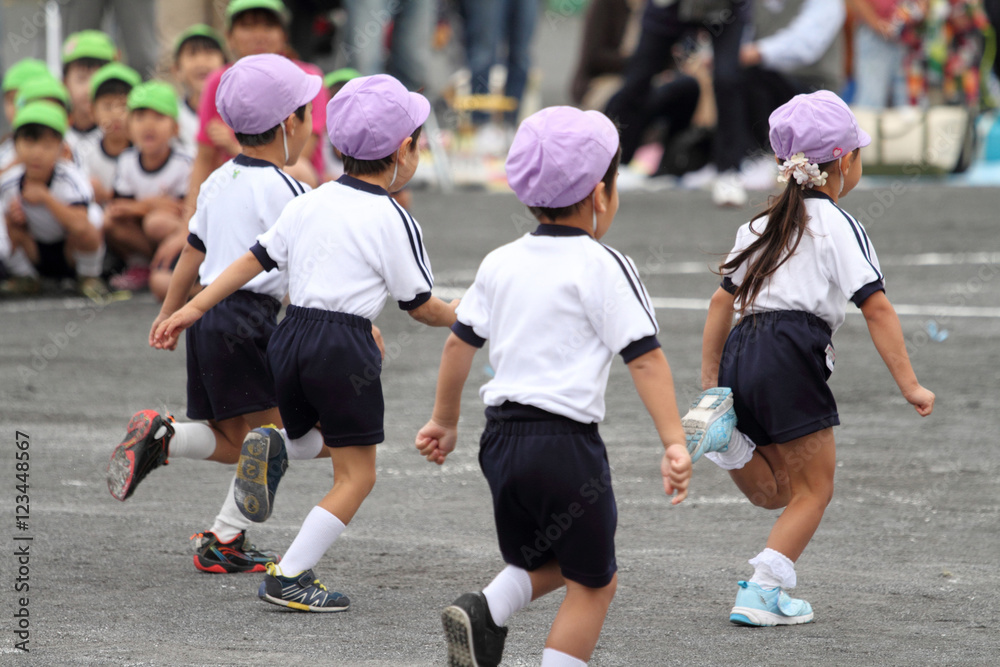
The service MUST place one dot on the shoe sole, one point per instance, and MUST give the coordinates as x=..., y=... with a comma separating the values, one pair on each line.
x=250, y=491
x=298, y=606
x=458, y=634
x=765, y=619
x=222, y=568
x=121, y=469
x=703, y=413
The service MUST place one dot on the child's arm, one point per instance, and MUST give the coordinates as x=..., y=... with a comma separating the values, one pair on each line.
x=717, y=326
x=437, y=438
x=73, y=219
x=183, y=279
x=238, y=274
x=655, y=384
x=887, y=334
x=435, y=312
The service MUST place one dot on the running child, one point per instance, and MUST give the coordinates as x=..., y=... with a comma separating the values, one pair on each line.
x=267, y=100
x=198, y=52
x=556, y=306
x=790, y=275
x=346, y=246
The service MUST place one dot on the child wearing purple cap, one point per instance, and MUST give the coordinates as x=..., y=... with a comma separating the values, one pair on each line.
x=790, y=275
x=267, y=100
x=346, y=246
x=556, y=306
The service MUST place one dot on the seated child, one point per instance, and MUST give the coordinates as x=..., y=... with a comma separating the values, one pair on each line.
x=17, y=76
x=197, y=53
x=44, y=88
x=53, y=224
x=83, y=53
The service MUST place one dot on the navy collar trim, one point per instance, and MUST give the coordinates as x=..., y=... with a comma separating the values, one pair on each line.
x=364, y=186
x=558, y=230
x=816, y=194
x=156, y=170
x=247, y=161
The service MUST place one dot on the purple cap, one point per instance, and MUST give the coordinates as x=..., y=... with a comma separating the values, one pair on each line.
x=819, y=124
x=559, y=155
x=371, y=116
x=259, y=92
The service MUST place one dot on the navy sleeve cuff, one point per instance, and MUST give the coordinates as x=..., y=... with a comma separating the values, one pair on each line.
x=260, y=252
x=467, y=335
x=729, y=285
x=118, y=195
x=78, y=203
x=417, y=301
x=636, y=349
x=196, y=242
x=866, y=291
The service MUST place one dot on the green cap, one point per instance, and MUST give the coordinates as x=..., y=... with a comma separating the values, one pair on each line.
x=22, y=72
x=198, y=30
x=89, y=44
x=43, y=88
x=114, y=72
x=342, y=75
x=237, y=6
x=156, y=95
x=44, y=113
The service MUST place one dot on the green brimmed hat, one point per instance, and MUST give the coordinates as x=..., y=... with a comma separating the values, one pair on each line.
x=43, y=88
x=44, y=113
x=198, y=30
x=342, y=75
x=89, y=44
x=238, y=6
x=22, y=72
x=156, y=95
x=114, y=72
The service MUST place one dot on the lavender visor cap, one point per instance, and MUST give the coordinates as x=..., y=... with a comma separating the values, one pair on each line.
x=371, y=116
x=819, y=124
x=559, y=155
x=259, y=92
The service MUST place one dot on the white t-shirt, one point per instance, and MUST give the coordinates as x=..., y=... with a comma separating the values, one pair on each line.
x=134, y=181
x=556, y=306
x=7, y=153
x=74, y=138
x=347, y=246
x=835, y=262
x=68, y=185
x=95, y=161
x=238, y=201
x=188, y=125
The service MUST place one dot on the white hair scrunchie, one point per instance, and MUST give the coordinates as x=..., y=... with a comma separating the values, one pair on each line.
x=802, y=170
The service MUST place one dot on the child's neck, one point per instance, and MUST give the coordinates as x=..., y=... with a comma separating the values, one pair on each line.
x=273, y=152
x=194, y=99
x=113, y=145
x=82, y=123
x=154, y=159
x=579, y=220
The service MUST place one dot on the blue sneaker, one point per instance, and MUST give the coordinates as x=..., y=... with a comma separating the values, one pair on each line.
x=302, y=592
x=708, y=425
x=263, y=461
x=766, y=607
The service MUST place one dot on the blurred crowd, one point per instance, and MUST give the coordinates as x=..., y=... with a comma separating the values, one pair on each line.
x=108, y=147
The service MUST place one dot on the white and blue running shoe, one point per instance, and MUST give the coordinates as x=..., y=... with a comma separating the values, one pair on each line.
x=708, y=425
x=764, y=607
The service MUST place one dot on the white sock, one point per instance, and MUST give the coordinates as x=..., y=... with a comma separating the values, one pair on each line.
x=318, y=533
x=510, y=591
x=773, y=569
x=230, y=521
x=738, y=455
x=192, y=440
x=554, y=658
x=89, y=264
x=302, y=449
x=19, y=265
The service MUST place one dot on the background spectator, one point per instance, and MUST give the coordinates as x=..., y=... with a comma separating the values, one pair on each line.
x=410, y=41
x=136, y=21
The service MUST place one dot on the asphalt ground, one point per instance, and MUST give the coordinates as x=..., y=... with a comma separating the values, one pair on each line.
x=903, y=570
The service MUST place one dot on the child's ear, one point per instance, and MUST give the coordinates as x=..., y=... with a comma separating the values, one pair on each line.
x=601, y=197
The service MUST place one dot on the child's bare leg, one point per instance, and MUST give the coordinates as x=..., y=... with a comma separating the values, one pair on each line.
x=353, y=480
x=160, y=224
x=546, y=579
x=578, y=624
x=764, y=480
x=126, y=238
x=221, y=440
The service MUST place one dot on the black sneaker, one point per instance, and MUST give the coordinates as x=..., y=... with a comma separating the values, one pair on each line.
x=143, y=449
x=474, y=640
x=263, y=460
x=302, y=592
x=237, y=555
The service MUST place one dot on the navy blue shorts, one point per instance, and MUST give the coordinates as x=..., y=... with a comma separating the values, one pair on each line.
x=227, y=358
x=327, y=368
x=52, y=262
x=552, y=495
x=776, y=365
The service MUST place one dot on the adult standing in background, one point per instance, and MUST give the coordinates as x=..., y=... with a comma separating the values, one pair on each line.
x=137, y=31
x=412, y=29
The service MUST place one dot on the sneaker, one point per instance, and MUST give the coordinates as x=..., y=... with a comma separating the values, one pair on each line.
x=21, y=286
x=143, y=449
x=729, y=190
x=474, y=640
x=263, y=461
x=236, y=555
x=708, y=425
x=766, y=607
x=132, y=279
x=302, y=592
x=94, y=289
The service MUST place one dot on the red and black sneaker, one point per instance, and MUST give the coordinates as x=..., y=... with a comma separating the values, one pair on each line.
x=143, y=449
x=237, y=555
